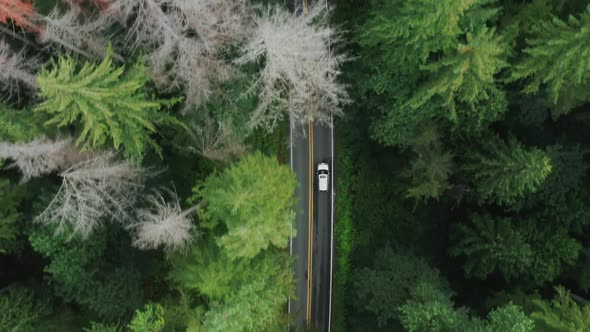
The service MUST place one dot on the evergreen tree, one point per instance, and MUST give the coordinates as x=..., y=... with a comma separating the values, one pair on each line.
x=465, y=75
x=19, y=125
x=150, y=319
x=504, y=172
x=562, y=313
x=10, y=197
x=253, y=199
x=492, y=244
x=556, y=58
x=429, y=172
x=387, y=284
x=20, y=311
x=109, y=102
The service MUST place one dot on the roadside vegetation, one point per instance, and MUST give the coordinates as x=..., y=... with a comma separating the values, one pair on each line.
x=466, y=149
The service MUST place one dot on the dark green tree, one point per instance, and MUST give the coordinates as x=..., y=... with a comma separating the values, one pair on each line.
x=20, y=311
x=387, y=284
x=253, y=200
x=10, y=196
x=492, y=244
x=19, y=125
x=94, y=273
x=109, y=103
x=429, y=172
x=502, y=172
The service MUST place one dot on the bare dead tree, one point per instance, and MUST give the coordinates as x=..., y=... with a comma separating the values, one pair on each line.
x=163, y=224
x=75, y=33
x=91, y=190
x=300, y=72
x=39, y=157
x=16, y=70
x=215, y=141
x=179, y=57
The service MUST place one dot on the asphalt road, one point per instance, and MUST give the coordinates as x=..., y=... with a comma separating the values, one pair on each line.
x=311, y=306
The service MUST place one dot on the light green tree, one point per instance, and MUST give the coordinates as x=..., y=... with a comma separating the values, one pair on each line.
x=466, y=74
x=108, y=102
x=503, y=172
x=258, y=303
x=431, y=309
x=562, y=313
x=254, y=200
x=150, y=319
x=19, y=125
x=557, y=58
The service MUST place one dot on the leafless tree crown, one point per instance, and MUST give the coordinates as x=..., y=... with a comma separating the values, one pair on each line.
x=300, y=72
x=16, y=70
x=37, y=158
x=163, y=224
x=91, y=191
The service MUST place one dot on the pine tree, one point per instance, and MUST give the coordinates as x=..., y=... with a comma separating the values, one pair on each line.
x=502, y=172
x=557, y=57
x=10, y=196
x=430, y=170
x=466, y=74
x=562, y=313
x=20, y=311
x=150, y=319
x=253, y=199
x=492, y=244
x=110, y=104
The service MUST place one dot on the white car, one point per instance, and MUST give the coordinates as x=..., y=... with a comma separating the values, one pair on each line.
x=323, y=174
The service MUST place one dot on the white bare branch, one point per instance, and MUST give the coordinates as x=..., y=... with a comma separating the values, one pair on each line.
x=92, y=190
x=180, y=56
x=300, y=72
x=16, y=70
x=74, y=33
x=163, y=224
x=39, y=157
x=215, y=141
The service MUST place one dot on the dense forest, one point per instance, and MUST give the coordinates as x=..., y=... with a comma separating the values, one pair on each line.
x=144, y=183
x=463, y=201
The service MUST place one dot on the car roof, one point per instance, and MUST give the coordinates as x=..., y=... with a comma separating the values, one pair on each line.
x=323, y=166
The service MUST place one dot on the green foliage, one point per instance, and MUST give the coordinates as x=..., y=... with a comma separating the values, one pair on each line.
x=466, y=75
x=492, y=244
x=562, y=313
x=209, y=270
x=81, y=271
x=431, y=309
x=254, y=200
x=19, y=311
x=150, y=319
x=389, y=282
x=109, y=103
x=19, y=125
x=344, y=236
x=258, y=304
x=10, y=197
x=503, y=172
x=556, y=58
x=429, y=172
x=98, y=327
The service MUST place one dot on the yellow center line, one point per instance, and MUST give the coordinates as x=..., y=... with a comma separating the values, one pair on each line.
x=310, y=228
